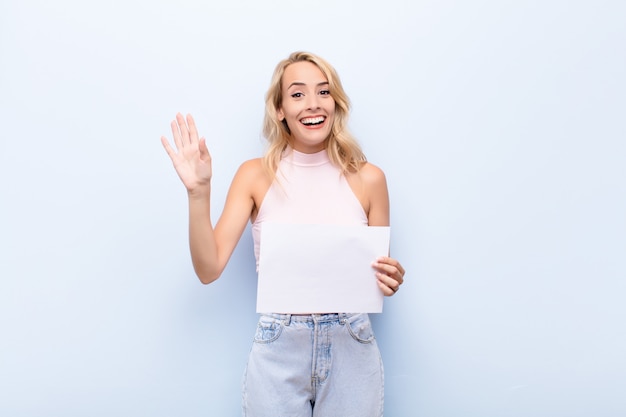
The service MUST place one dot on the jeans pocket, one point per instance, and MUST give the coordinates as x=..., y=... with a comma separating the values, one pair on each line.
x=360, y=328
x=268, y=329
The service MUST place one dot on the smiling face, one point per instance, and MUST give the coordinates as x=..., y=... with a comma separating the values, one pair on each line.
x=307, y=106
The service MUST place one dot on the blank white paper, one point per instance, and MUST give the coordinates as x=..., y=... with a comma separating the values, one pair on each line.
x=312, y=268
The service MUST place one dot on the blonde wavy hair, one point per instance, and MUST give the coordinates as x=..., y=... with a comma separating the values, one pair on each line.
x=343, y=149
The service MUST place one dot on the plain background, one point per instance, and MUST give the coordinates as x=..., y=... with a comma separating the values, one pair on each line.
x=500, y=126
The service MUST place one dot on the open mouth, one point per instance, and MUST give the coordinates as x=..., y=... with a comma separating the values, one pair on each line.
x=313, y=121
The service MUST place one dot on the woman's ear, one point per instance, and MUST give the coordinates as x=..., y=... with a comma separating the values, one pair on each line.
x=280, y=114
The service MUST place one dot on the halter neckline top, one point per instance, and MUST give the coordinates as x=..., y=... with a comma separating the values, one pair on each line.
x=308, y=189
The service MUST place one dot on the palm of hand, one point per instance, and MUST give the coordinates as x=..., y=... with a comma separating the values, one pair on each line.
x=191, y=158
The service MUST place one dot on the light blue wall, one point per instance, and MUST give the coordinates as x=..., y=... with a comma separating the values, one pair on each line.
x=500, y=125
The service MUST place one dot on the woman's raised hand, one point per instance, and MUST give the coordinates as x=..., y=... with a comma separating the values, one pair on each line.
x=191, y=158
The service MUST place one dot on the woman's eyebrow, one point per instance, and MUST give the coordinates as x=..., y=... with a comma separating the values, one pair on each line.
x=301, y=83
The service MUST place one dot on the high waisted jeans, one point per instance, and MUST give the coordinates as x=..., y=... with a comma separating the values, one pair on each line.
x=320, y=365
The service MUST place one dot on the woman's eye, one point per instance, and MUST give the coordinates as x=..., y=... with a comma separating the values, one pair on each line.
x=325, y=92
x=297, y=95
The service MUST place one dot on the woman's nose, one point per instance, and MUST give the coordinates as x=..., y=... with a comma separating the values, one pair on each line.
x=312, y=102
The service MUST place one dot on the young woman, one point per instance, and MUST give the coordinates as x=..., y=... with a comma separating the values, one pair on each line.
x=313, y=172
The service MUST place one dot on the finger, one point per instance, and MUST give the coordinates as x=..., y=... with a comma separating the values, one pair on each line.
x=204, y=151
x=184, y=131
x=170, y=151
x=386, y=289
x=390, y=270
x=193, y=131
x=389, y=281
x=391, y=261
x=176, y=134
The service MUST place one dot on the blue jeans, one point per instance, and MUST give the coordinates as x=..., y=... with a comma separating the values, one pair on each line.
x=319, y=365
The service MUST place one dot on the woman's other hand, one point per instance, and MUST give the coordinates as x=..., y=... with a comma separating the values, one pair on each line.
x=390, y=274
x=191, y=158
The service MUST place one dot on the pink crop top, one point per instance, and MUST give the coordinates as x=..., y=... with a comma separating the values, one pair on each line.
x=308, y=189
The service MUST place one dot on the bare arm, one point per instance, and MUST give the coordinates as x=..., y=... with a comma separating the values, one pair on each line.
x=390, y=272
x=210, y=247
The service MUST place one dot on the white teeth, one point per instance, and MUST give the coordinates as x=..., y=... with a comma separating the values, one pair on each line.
x=312, y=120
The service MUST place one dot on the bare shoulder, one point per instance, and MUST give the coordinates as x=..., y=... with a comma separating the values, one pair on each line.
x=252, y=167
x=250, y=172
x=375, y=195
x=252, y=179
x=372, y=176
